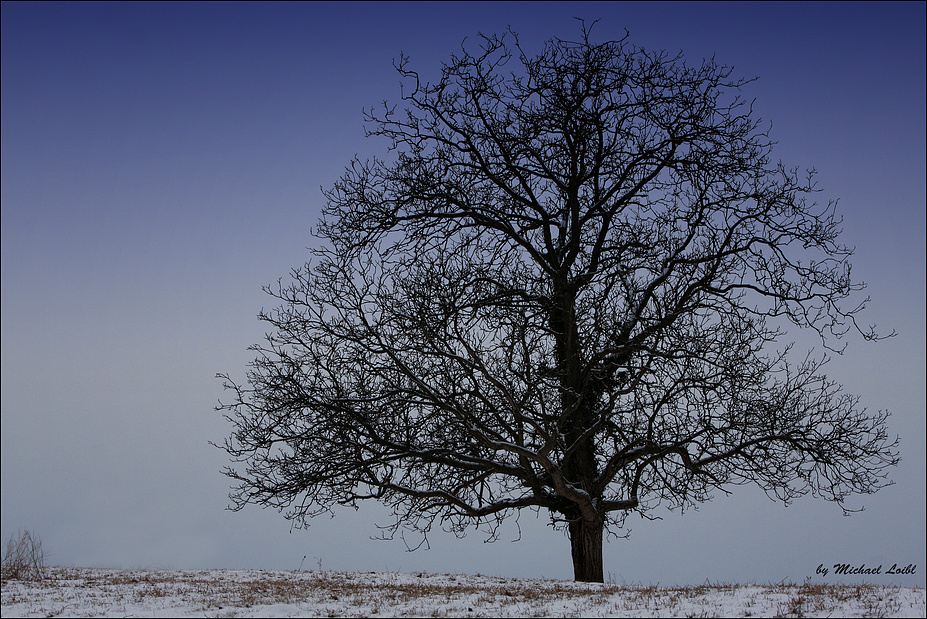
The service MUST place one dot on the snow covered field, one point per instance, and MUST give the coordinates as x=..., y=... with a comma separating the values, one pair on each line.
x=72, y=592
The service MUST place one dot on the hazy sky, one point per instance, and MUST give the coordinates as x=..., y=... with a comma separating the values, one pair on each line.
x=160, y=163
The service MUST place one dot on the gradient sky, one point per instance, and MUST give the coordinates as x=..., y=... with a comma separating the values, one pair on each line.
x=160, y=163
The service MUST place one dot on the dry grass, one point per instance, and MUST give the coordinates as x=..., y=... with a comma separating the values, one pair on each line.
x=820, y=599
x=23, y=558
x=82, y=592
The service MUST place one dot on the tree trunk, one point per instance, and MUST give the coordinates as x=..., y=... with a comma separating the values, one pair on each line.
x=586, y=544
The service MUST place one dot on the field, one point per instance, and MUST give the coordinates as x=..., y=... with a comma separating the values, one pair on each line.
x=74, y=592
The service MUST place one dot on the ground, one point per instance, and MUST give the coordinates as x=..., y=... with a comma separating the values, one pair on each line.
x=74, y=592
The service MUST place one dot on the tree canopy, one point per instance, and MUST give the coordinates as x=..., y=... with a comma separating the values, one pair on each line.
x=567, y=286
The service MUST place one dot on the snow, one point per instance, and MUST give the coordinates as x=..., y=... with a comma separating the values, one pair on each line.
x=73, y=592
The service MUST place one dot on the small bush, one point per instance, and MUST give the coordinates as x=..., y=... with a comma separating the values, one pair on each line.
x=24, y=558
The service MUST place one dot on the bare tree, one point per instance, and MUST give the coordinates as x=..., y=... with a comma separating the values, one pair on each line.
x=564, y=289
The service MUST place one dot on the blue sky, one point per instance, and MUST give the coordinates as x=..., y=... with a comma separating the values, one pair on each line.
x=160, y=163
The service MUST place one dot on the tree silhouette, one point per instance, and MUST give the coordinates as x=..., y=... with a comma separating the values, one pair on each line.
x=565, y=288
